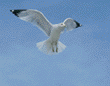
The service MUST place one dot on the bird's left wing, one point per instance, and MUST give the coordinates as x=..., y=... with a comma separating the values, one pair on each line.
x=35, y=17
x=71, y=24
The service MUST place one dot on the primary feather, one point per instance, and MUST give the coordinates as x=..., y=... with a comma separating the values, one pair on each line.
x=35, y=17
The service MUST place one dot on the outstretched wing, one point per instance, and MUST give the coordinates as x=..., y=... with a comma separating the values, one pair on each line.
x=35, y=17
x=71, y=24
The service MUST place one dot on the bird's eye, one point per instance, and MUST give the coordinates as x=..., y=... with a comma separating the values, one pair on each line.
x=61, y=23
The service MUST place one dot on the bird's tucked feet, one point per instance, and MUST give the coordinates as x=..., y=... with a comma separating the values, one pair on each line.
x=56, y=49
x=53, y=49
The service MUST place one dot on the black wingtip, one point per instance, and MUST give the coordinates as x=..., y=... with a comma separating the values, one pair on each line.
x=10, y=10
x=16, y=12
x=78, y=24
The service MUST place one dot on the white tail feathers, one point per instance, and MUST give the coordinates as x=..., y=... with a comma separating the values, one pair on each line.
x=46, y=47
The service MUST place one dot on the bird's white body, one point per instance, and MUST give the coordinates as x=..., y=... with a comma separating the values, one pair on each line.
x=55, y=33
x=52, y=45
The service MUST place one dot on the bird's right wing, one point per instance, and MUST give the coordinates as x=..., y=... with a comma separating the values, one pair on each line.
x=35, y=17
x=71, y=24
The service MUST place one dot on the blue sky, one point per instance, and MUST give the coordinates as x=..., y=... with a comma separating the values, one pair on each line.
x=84, y=62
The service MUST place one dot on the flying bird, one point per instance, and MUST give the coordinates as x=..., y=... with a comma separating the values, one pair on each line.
x=52, y=45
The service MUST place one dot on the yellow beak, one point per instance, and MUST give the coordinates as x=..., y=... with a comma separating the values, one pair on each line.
x=64, y=25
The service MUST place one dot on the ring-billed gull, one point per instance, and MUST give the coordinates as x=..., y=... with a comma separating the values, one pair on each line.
x=53, y=31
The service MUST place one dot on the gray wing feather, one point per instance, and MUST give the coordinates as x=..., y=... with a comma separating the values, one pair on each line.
x=71, y=24
x=37, y=18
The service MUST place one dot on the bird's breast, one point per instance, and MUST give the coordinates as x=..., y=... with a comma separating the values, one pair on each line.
x=55, y=34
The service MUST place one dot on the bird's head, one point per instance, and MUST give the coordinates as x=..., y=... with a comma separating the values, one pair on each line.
x=62, y=25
